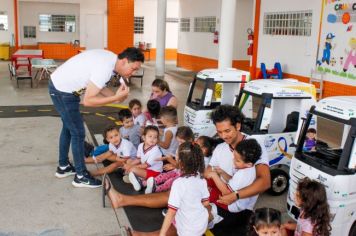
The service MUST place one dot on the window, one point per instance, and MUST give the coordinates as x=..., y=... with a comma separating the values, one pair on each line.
x=57, y=23
x=288, y=23
x=172, y=20
x=29, y=32
x=184, y=25
x=139, y=22
x=204, y=24
x=3, y=21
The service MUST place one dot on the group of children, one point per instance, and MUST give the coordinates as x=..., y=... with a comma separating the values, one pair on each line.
x=171, y=159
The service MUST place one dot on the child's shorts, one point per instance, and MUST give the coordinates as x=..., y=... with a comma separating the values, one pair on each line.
x=151, y=173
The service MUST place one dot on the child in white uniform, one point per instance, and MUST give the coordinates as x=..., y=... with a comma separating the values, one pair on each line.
x=120, y=150
x=169, y=143
x=188, y=199
x=246, y=154
x=129, y=130
x=148, y=163
x=207, y=145
x=163, y=182
x=136, y=109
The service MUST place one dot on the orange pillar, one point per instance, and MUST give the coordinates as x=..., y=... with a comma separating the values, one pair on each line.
x=120, y=24
x=16, y=29
x=255, y=40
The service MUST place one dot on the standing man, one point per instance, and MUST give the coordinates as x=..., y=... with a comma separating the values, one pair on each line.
x=86, y=74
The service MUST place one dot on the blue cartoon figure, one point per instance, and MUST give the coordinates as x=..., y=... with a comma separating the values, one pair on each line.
x=327, y=48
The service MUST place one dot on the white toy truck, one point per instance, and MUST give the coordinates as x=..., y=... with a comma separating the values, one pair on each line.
x=333, y=161
x=202, y=97
x=273, y=109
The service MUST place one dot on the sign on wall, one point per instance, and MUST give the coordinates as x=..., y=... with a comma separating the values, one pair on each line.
x=337, y=46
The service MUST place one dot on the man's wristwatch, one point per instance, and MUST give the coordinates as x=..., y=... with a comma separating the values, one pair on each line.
x=237, y=195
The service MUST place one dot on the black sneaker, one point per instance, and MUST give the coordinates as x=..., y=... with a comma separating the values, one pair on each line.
x=86, y=181
x=68, y=171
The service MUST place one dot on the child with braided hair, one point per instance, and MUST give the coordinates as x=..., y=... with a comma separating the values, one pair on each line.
x=188, y=199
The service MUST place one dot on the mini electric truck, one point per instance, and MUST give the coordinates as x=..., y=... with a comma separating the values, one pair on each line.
x=273, y=109
x=332, y=162
x=204, y=95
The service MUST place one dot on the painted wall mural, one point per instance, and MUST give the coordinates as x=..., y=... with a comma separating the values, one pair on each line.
x=337, y=46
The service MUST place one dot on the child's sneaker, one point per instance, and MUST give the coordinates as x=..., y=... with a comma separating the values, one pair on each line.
x=126, y=179
x=151, y=185
x=135, y=181
x=68, y=171
x=86, y=181
x=164, y=211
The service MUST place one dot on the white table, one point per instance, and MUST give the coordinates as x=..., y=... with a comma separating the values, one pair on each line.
x=43, y=66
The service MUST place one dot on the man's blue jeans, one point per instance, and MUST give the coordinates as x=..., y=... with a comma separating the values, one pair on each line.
x=73, y=133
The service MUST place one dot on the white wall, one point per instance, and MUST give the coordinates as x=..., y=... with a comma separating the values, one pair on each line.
x=148, y=9
x=29, y=16
x=85, y=7
x=297, y=54
x=201, y=44
x=8, y=6
x=93, y=7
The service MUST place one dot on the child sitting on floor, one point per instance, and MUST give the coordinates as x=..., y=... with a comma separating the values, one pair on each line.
x=148, y=163
x=188, y=199
x=246, y=154
x=207, y=145
x=169, y=142
x=164, y=181
x=120, y=150
x=136, y=110
x=152, y=113
x=129, y=130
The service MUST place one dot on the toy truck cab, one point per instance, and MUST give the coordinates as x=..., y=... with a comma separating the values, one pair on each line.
x=204, y=96
x=332, y=161
x=273, y=109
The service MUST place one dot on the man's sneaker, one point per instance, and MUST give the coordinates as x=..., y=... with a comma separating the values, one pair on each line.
x=135, y=181
x=151, y=185
x=126, y=179
x=68, y=171
x=86, y=181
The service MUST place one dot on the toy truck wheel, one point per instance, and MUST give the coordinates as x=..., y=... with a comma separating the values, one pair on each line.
x=353, y=230
x=279, y=182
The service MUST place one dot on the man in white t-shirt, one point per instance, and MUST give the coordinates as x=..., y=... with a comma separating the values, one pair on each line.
x=228, y=120
x=87, y=74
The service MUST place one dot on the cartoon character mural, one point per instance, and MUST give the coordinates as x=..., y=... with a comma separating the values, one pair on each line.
x=337, y=47
x=351, y=55
x=327, y=48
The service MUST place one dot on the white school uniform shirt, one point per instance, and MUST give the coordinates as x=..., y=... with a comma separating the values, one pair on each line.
x=223, y=157
x=139, y=120
x=95, y=66
x=150, y=156
x=242, y=178
x=124, y=149
x=186, y=197
x=206, y=161
x=171, y=150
